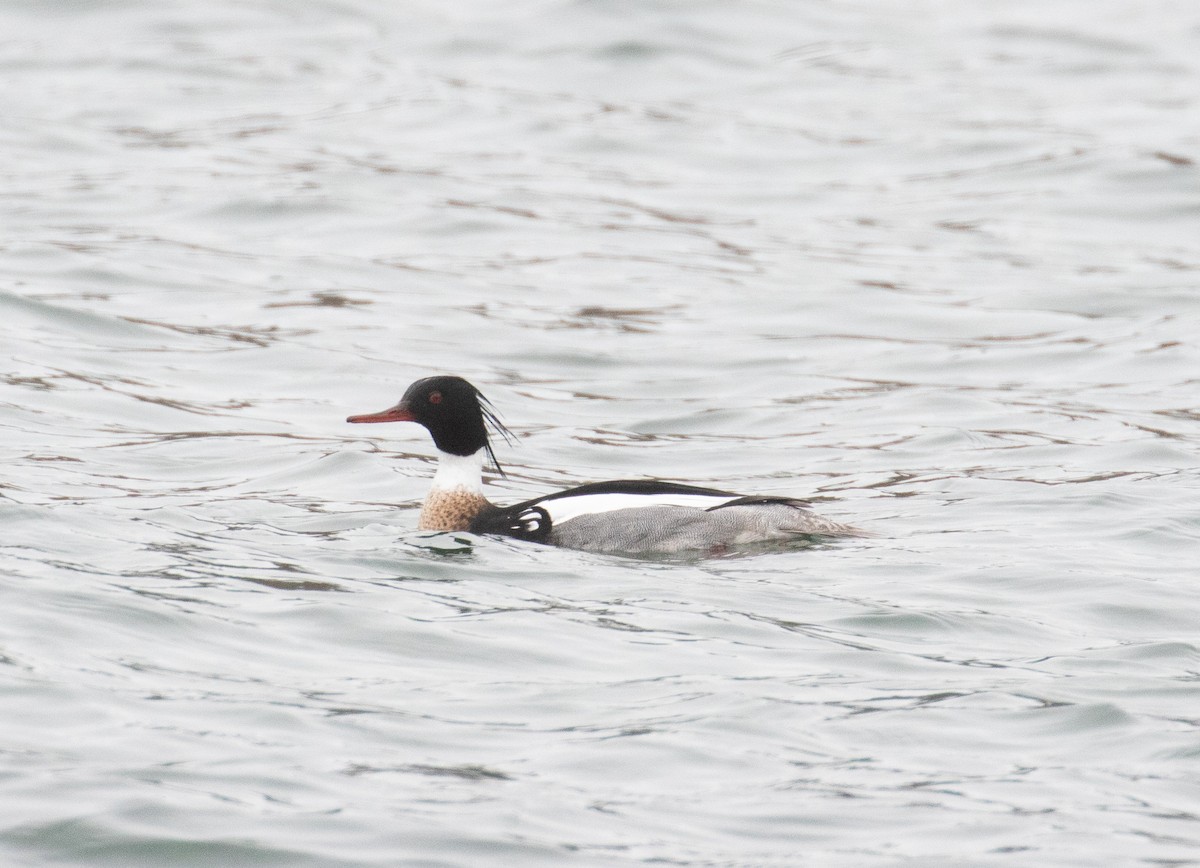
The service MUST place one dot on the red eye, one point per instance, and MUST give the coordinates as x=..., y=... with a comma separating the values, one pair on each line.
x=435, y=397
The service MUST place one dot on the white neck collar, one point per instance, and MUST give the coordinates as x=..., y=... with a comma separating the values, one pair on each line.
x=459, y=472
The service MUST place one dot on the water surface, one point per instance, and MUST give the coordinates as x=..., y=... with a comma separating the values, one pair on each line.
x=935, y=266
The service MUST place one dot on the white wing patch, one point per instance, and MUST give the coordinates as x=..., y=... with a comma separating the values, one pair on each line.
x=563, y=509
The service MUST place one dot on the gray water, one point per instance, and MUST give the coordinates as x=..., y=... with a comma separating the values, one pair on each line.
x=933, y=264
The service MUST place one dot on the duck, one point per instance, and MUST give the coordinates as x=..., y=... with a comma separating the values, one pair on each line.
x=624, y=516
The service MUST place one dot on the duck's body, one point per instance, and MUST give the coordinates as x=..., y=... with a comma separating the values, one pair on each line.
x=630, y=516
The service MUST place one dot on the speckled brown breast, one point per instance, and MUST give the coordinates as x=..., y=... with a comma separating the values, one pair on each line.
x=450, y=510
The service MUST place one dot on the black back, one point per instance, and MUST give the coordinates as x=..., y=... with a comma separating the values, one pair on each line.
x=629, y=486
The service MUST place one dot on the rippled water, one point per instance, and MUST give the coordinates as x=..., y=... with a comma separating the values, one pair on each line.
x=937, y=263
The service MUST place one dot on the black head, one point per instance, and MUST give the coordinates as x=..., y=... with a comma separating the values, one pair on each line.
x=453, y=411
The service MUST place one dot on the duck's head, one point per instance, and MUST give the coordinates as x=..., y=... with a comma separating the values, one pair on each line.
x=455, y=413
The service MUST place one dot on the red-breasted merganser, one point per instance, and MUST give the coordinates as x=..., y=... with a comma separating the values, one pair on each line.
x=627, y=516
